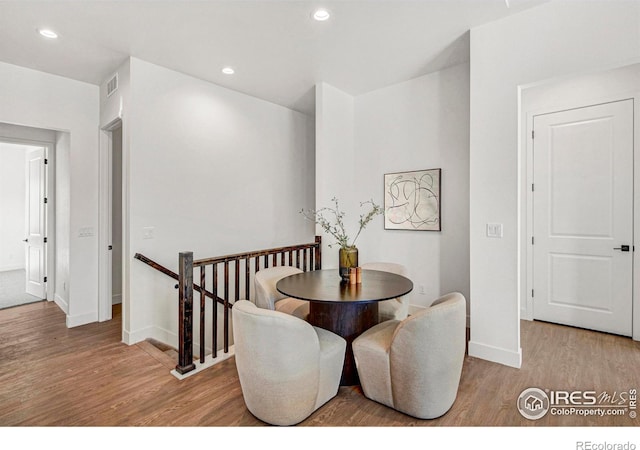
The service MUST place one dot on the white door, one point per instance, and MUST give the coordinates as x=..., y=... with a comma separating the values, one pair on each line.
x=583, y=217
x=36, y=223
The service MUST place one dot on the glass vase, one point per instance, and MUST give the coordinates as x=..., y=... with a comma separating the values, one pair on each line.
x=348, y=258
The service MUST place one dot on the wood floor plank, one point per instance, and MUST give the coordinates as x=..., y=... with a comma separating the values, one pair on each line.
x=85, y=376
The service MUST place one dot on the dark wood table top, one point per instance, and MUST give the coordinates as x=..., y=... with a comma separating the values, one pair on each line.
x=326, y=286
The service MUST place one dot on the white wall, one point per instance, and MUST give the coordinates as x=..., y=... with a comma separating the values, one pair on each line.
x=415, y=125
x=209, y=170
x=335, y=163
x=12, y=206
x=549, y=41
x=36, y=99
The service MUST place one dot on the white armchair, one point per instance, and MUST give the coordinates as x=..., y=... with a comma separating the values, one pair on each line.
x=414, y=365
x=394, y=309
x=268, y=297
x=287, y=368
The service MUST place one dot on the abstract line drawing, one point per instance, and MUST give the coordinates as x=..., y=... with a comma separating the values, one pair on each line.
x=412, y=200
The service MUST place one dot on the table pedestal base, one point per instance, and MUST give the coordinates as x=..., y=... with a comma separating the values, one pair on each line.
x=346, y=319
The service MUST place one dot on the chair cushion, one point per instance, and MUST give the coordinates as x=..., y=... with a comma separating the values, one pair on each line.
x=397, y=309
x=332, y=350
x=371, y=352
x=294, y=307
x=265, y=284
x=392, y=310
x=386, y=267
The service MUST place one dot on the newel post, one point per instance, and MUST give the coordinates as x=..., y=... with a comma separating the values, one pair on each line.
x=185, y=313
x=318, y=253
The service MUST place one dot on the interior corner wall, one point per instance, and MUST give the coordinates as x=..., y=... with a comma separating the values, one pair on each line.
x=41, y=100
x=419, y=124
x=552, y=40
x=211, y=171
x=335, y=162
x=62, y=218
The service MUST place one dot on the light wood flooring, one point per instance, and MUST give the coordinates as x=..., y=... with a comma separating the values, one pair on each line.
x=54, y=376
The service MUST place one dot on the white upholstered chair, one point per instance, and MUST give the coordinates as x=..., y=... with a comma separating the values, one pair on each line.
x=394, y=309
x=268, y=297
x=287, y=368
x=414, y=365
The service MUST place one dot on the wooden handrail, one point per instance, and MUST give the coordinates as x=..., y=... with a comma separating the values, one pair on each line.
x=257, y=253
x=155, y=265
x=148, y=261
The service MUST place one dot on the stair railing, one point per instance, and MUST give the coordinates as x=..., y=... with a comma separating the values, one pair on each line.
x=232, y=277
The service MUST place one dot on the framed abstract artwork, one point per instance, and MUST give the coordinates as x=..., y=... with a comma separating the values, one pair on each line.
x=412, y=200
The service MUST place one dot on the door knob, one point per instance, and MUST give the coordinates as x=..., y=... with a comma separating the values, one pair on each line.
x=622, y=248
x=25, y=240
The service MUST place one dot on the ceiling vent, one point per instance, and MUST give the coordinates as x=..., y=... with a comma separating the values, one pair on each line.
x=112, y=85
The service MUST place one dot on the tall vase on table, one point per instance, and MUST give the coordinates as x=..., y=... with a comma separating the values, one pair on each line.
x=331, y=221
x=348, y=258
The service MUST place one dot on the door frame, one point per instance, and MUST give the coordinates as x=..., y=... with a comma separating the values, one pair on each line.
x=105, y=223
x=525, y=197
x=49, y=209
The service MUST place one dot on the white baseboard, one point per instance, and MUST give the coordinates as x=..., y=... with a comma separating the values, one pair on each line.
x=126, y=337
x=496, y=354
x=524, y=314
x=116, y=299
x=159, y=334
x=133, y=337
x=62, y=303
x=164, y=336
x=82, y=319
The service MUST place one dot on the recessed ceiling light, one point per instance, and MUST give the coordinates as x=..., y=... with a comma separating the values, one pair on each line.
x=228, y=71
x=321, y=15
x=48, y=33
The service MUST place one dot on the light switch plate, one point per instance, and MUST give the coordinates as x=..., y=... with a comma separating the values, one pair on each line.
x=147, y=232
x=86, y=232
x=494, y=230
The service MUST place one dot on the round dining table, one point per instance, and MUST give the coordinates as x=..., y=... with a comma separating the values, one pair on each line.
x=344, y=308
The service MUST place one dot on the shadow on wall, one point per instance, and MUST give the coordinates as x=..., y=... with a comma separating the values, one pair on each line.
x=306, y=104
x=457, y=52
